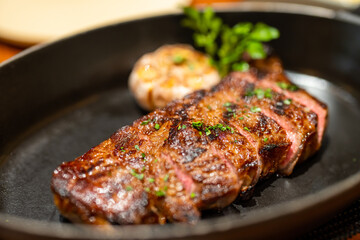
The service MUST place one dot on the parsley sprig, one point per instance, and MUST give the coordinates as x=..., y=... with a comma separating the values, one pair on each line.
x=226, y=45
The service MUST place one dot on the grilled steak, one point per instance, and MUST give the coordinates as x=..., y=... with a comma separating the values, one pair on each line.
x=197, y=153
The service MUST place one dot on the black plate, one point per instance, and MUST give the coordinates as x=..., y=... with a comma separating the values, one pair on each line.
x=60, y=99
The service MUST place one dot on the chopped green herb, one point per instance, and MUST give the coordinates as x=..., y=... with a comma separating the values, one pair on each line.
x=179, y=127
x=209, y=107
x=151, y=180
x=178, y=59
x=260, y=93
x=227, y=104
x=286, y=86
x=265, y=139
x=147, y=189
x=183, y=126
x=135, y=174
x=255, y=109
x=207, y=131
x=200, y=133
x=157, y=126
x=293, y=88
x=240, y=118
x=143, y=155
x=160, y=193
x=143, y=169
x=128, y=188
x=156, y=160
x=137, y=147
x=192, y=195
x=166, y=178
x=229, y=110
x=247, y=129
x=197, y=125
x=287, y=101
x=145, y=122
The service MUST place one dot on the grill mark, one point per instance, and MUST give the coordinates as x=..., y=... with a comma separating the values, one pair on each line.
x=190, y=154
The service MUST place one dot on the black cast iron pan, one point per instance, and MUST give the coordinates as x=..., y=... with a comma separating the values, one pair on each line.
x=58, y=100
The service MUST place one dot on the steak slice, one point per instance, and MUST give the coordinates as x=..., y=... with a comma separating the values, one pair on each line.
x=271, y=75
x=197, y=153
x=299, y=123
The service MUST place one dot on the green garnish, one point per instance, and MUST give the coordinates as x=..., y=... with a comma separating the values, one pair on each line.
x=207, y=131
x=209, y=107
x=128, y=188
x=286, y=86
x=157, y=126
x=137, y=147
x=151, y=180
x=192, y=195
x=147, y=189
x=265, y=139
x=137, y=175
x=197, y=125
x=181, y=126
x=145, y=122
x=241, y=118
x=287, y=101
x=178, y=59
x=166, y=178
x=227, y=104
x=260, y=93
x=255, y=109
x=224, y=44
x=160, y=193
x=143, y=155
x=247, y=129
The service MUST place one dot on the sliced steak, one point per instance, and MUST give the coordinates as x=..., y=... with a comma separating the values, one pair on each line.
x=197, y=153
x=273, y=77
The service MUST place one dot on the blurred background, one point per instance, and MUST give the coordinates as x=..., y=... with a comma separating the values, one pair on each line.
x=24, y=23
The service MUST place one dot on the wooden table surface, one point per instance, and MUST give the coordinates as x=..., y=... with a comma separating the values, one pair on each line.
x=7, y=51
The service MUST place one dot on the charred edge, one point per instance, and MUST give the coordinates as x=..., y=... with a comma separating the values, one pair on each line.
x=279, y=108
x=260, y=73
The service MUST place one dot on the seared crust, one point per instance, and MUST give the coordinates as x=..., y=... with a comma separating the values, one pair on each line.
x=197, y=153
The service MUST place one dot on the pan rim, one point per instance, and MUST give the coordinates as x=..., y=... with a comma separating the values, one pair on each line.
x=52, y=229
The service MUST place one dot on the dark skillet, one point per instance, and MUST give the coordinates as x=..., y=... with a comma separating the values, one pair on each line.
x=60, y=99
